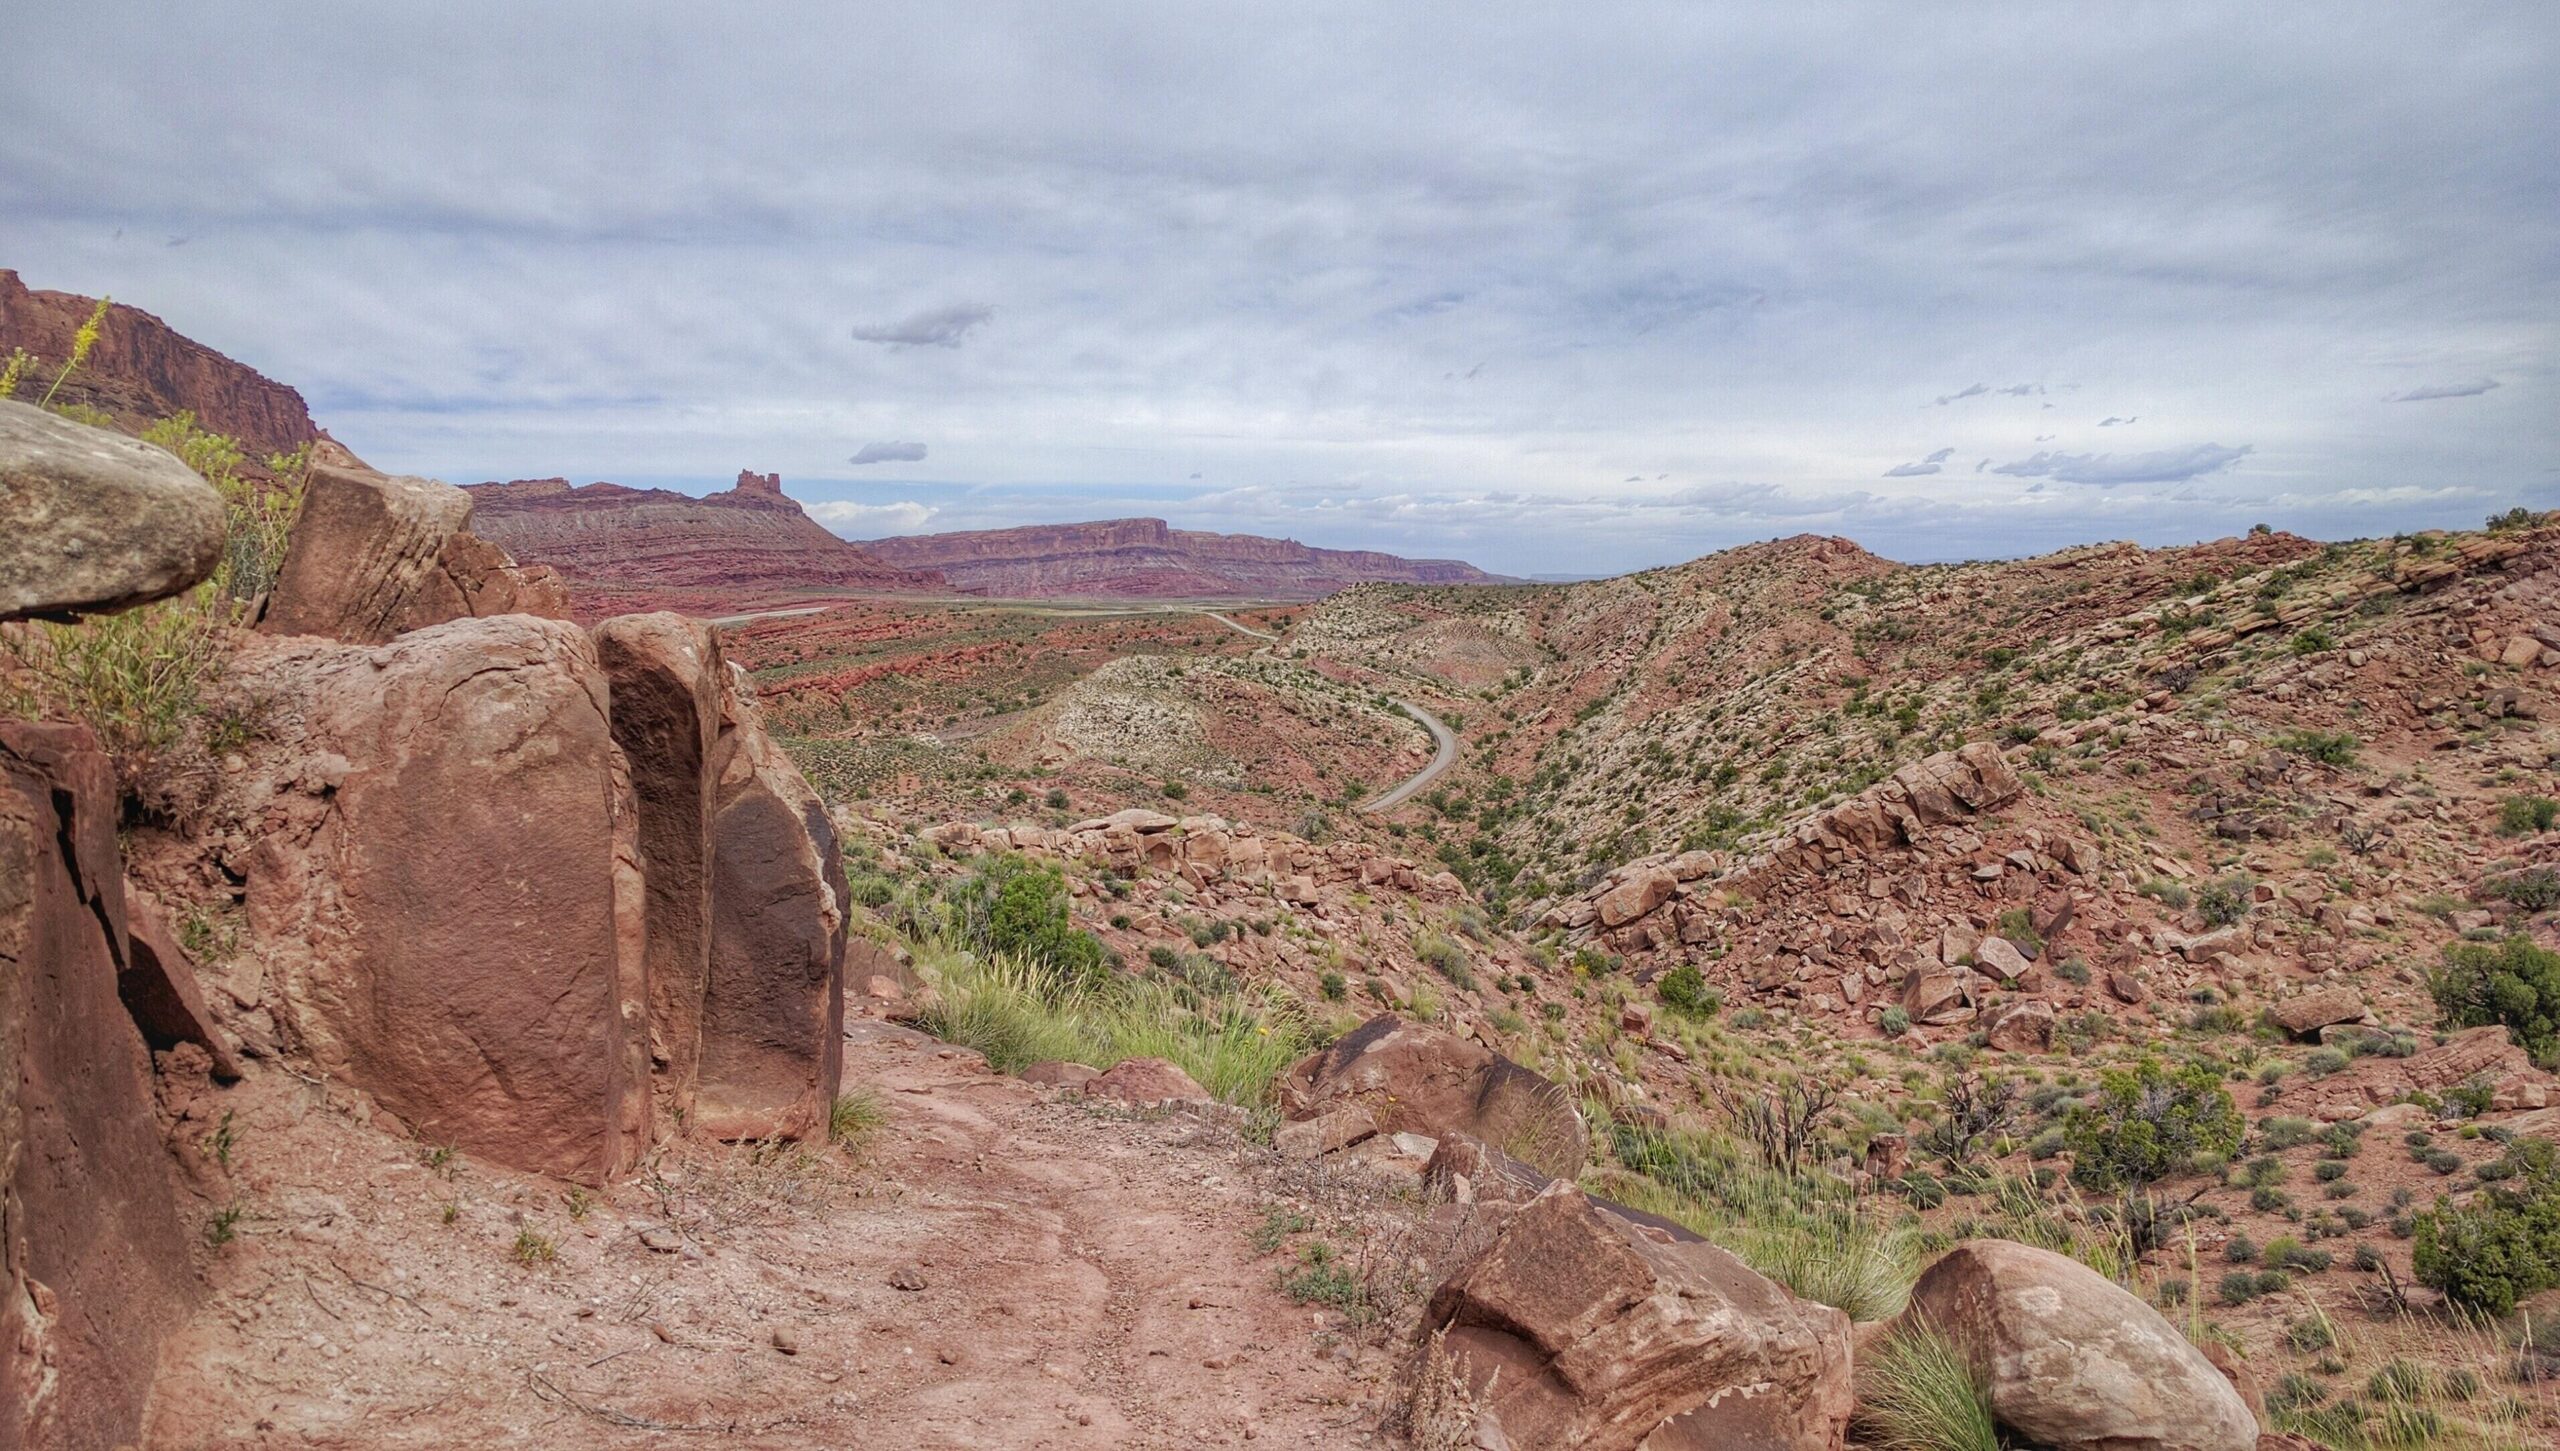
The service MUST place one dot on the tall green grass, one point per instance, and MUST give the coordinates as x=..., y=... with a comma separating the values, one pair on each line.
x=1918, y=1394
x=1018, y=1013
x=1810, y=1233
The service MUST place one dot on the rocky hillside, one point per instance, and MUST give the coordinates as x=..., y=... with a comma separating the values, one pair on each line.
x=142, y=370
x=623, y=549
x=1148, y=559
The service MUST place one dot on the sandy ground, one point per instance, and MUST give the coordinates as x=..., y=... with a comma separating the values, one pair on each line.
x=999, y=1269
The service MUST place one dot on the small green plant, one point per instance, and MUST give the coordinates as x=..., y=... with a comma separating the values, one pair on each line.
x=1685, y=991
x=1920, y=1394
x=2329, y=748
x=1334, y=987
x=224, y=1138
x=2525, y=815
x=1279, y=1222
x=1320, y=1277
x=224, y=1225
x=1895, y=1021
x=857, y=1116
x=2225, y=900
x=580, y=1203
x=532, y=1249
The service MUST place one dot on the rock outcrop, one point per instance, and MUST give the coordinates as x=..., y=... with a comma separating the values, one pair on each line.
x=96, y=521
x=624, y=549
x=142, y=370
x=1580, y=1328
x=373, y=557
x=2072, y=1361
x=667, y=679
x=773, y=1011
x=1410, y=1077
x=434, y=883
x=94, y=1266
x=1148, y=559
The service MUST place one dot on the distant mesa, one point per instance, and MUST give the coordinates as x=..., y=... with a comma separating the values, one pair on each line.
x=1149, y=559
x=622, y=548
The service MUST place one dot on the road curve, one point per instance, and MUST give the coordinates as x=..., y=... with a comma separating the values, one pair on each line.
x=1441, y=760
x=1444, y=740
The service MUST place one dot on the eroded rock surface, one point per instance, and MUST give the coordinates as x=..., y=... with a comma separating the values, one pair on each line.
x=374, y=557
x=1413, y=1077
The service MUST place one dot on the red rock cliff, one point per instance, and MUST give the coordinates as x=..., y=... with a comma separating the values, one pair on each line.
x=1146, y=558
x=748, y=543
x=142, y=370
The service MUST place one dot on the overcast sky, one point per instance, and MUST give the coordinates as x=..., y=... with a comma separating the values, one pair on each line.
x=1551, y=288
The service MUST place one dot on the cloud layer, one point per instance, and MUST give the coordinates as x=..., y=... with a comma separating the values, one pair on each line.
x=1554, y=292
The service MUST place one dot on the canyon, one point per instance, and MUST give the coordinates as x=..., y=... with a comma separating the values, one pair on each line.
x=1149, y=559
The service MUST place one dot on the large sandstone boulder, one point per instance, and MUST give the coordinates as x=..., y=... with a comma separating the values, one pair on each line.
x=93, y=521
x=94, y=1268
x=1418, y=1078
x=2317, y=1009
x=374, y=557
x=434, y=883
x=2072, y=1361
x=666, y=676
x=1579, y=1328
x=773, y=1011
x=1637, y=896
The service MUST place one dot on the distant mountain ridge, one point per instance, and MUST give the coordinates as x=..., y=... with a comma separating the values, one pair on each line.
x=1150, y=559
x=638, y=548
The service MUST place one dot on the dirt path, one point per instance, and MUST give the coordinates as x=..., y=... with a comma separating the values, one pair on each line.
x=1239, y=628
x=1005, y=1270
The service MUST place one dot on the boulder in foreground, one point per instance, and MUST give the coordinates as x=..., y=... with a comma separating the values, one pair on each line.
x=1412, y=1077
x=2071, y=1360
x=1579, y=1328
x=93, y=522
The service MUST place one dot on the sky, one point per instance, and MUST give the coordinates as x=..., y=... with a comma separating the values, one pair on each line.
x=1555, y=289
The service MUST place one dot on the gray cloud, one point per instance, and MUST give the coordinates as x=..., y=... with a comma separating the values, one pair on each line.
x=2434, y=391
x=1910, y=471
x=1703, y=243
x=2167, y=466
x=940, y=327
x=1939, y=457
x=883, y=453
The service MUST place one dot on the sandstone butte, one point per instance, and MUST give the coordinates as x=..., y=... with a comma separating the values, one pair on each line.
x=1149, y=559
x=746, y=544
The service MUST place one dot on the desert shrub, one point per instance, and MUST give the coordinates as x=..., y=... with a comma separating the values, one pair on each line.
x=2524, y=815
x=1684, y=990
x=1445, y=957
x=2513, y=983
x=2167, y=893
x=2535, y=890
x=2329, y=748
x=2225, y=899
x=2502, y=1246
x=2312, y=641
x=1011, y=908
x=1919, y=1394
x=2147, y=1122
x=1333, y=986
x=1895, y=1021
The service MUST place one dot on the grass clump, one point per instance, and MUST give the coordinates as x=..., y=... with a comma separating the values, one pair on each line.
x=856, y=1117
x=1919, y=1394
x=1018, y=1012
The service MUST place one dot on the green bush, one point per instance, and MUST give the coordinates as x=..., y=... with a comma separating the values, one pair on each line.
x=2535, y=890
x=2329, y=748
x=2524, y=815
x=2225, y=900
x=2502, y=1246
x=2513, y=983
x=2147, y=1122
x=1684, y=990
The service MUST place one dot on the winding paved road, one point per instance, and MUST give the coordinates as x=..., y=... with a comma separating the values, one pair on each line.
x=1443, y=739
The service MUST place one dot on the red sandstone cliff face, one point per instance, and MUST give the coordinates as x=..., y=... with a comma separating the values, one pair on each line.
x=142, y=371
x=1145, y=558
x=739, y=547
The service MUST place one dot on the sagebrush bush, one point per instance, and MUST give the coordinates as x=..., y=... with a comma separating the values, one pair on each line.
x=2502, y=1246
x=1684, y=990
x=2524, y=815
x=2514, y=983
x=2146, y=1123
